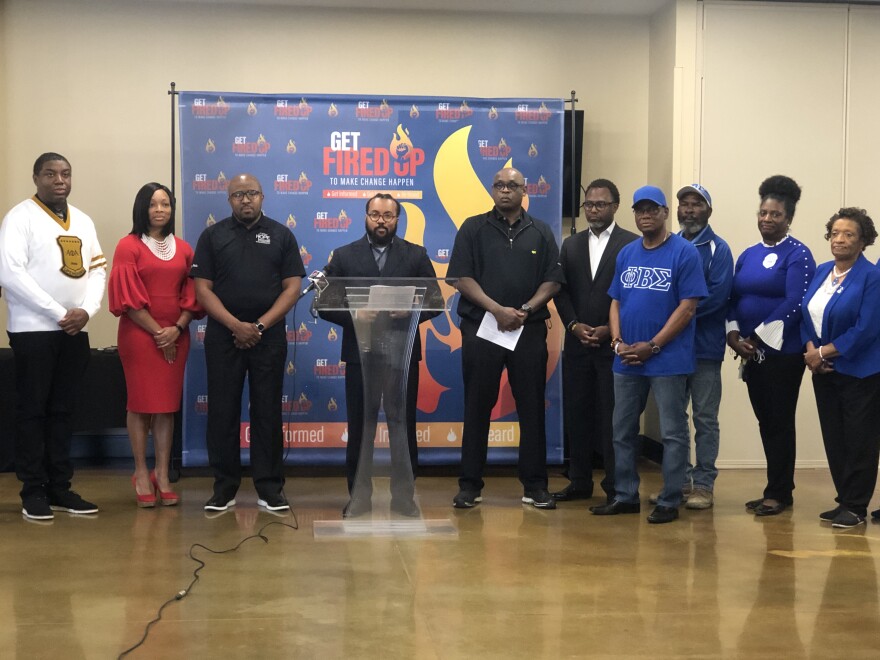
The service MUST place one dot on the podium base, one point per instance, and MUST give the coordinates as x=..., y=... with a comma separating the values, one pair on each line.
x=358, y=529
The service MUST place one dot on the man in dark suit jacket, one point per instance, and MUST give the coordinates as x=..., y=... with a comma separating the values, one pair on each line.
x=380, y=254
x=587, y=260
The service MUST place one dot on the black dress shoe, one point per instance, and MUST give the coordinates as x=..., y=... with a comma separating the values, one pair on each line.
x=663, y=514
x=751, y=505
x=875, y=514
x=772, y=510
x=571, y=493
x=615, y=508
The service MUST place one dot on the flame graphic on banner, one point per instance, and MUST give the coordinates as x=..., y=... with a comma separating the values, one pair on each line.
x=533, y=151
x=210, y=221
x=332, y=111
x=332, y=405
x=291, y=369
x=493, y=113
x=291, y=221
x=331, y=335
x=401, y=145
x=414, y=112
x=252, y=109
x=210, y=147
x=291, y=146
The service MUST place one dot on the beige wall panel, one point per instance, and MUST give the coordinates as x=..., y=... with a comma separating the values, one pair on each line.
x=773, y=103
x=97, y=91
x=863, y=110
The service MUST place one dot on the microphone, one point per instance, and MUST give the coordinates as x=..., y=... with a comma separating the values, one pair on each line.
x=317, y=280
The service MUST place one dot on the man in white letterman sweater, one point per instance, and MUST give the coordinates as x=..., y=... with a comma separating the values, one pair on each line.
x=53, y=272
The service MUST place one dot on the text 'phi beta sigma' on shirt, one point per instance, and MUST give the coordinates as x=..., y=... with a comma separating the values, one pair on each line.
x=649, y=284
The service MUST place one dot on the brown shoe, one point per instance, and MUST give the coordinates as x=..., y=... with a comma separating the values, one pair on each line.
x=700, y=499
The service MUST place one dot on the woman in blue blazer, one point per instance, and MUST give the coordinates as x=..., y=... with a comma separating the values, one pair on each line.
x=841, y=330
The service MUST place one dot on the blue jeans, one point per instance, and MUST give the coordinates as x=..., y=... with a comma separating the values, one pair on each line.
x=704, y=389
x=630, y=396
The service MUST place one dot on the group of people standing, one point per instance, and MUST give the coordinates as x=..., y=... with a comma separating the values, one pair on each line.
x=660, y=320
x=650, y=313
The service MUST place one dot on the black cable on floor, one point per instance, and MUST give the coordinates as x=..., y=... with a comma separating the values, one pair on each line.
x=183, y=593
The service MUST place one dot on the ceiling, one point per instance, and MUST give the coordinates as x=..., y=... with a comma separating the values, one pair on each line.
x=607, y=7
x=551, y=7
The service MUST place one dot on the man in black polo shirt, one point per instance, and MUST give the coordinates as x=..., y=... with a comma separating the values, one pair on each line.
x=247, y=272
x=506, y=264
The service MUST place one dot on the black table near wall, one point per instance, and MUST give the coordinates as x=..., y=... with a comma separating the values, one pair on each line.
x=101, y=404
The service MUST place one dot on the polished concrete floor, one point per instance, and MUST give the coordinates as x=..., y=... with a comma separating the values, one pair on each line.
x=515, y=583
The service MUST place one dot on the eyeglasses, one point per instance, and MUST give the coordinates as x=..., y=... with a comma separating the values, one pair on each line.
x=773, y=215
x=512, y=186
x=375, y=216
x=647, y=210
x=599, y=206
x=239, y=195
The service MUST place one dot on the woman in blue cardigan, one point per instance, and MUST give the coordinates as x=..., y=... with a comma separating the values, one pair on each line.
x=841, y=330
x=763, y=328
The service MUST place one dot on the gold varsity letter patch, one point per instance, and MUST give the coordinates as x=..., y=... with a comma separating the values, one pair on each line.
x=71, y=256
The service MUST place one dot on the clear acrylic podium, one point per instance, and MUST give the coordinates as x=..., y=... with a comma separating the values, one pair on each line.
x=385, y=314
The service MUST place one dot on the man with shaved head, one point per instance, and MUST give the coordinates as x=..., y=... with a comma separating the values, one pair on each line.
x=506, y=262
x=248, y=272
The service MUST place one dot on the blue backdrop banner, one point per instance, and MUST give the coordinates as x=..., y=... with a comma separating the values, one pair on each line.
x=319, y=158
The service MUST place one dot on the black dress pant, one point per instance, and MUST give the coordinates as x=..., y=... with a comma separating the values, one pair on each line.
x=774, y=385
x=400, y=415
x=227, y=367
x=849, y=414
x=482, y=364
x=48, y=370
x=588, y=404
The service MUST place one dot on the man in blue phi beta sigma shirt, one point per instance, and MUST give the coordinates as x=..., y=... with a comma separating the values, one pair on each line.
x=656, y=286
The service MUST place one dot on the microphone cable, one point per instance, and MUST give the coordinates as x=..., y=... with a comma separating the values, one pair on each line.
x=183, y=593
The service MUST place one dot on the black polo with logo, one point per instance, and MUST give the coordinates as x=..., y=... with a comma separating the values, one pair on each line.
x=247, y=267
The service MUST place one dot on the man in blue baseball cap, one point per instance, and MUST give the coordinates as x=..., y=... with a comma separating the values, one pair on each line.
x=704, y=385
x=657, y=283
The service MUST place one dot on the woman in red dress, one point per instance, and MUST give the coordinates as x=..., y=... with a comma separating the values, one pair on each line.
x=151, y=293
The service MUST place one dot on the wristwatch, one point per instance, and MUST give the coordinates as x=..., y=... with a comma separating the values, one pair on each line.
x=526, y=307
x=260, y=326
x=654, y=348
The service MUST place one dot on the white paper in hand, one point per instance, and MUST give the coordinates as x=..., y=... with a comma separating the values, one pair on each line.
x=489, y=331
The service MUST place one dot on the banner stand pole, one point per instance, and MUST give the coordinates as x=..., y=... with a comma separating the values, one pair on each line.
x=177, y=435
x=572, y=157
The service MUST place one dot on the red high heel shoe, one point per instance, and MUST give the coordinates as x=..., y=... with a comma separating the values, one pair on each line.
x=143, y=501
x=166, y=498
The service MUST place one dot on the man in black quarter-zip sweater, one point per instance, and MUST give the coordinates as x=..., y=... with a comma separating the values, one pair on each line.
x=506, y=263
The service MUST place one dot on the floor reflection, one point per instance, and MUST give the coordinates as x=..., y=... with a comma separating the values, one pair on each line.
x=515, y=582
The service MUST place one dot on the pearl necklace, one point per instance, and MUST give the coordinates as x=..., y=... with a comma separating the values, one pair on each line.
x=838, y=276
x=164, y=249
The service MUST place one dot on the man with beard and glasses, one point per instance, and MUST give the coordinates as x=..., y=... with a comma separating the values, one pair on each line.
x=506, y=262
x=247, y=270
x=379, y=253
x=587, y=261
x=52, y=271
